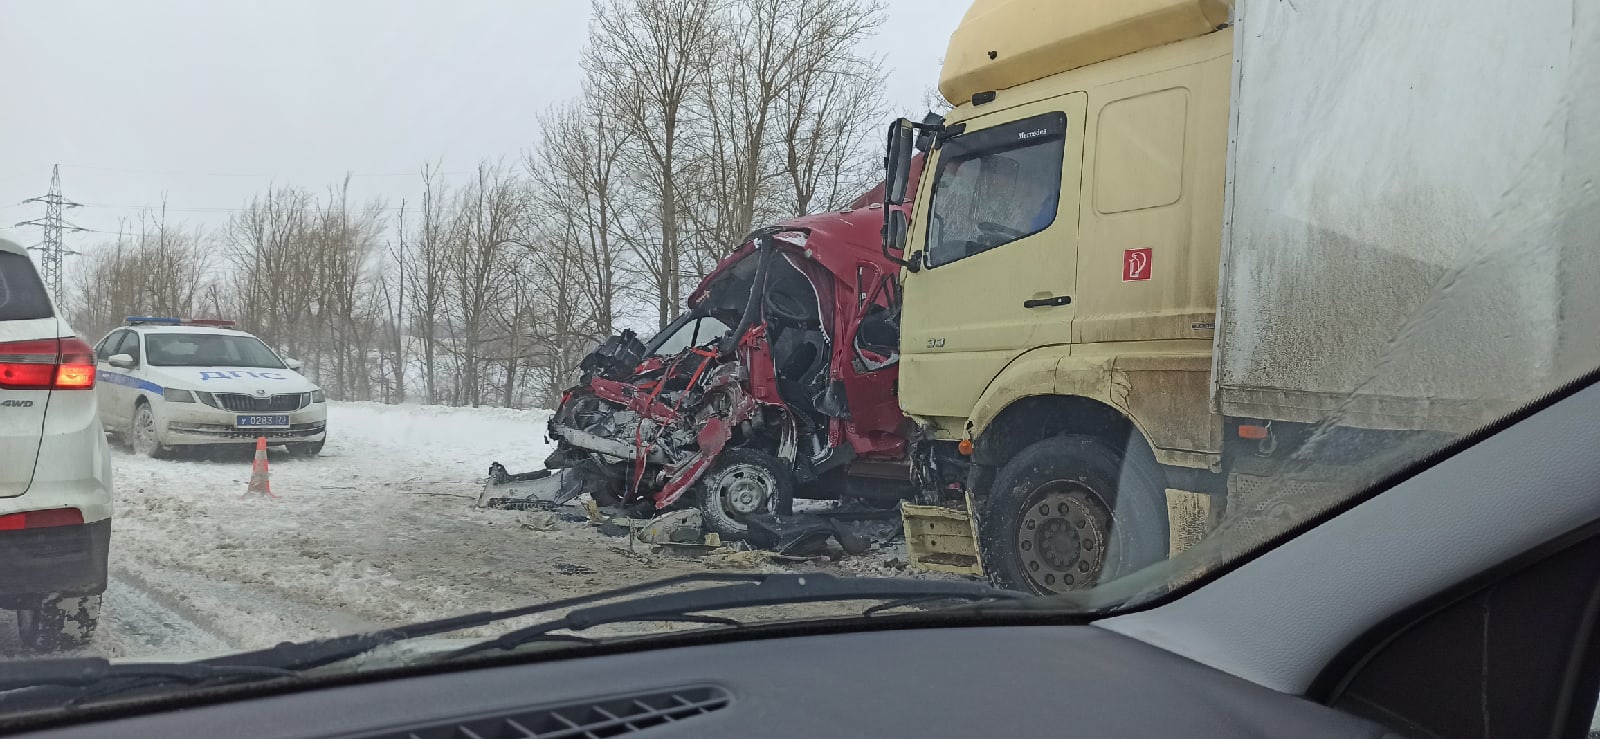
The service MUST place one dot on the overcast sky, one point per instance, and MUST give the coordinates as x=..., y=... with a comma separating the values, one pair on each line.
x=210, y=101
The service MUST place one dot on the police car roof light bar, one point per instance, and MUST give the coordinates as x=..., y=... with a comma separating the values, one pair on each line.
x=164, y=321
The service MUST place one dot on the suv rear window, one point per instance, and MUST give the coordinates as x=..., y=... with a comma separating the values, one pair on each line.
x=22, y=295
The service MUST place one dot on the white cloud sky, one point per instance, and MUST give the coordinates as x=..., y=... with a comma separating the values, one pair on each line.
x=210, y=101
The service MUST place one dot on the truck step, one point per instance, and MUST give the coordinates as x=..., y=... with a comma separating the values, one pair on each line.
x=941, y=539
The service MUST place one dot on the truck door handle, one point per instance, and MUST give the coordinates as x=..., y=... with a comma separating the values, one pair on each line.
x=1042, y=302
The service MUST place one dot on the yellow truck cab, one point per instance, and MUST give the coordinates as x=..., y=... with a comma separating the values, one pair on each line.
x=1076, y=243
x=1062, y=299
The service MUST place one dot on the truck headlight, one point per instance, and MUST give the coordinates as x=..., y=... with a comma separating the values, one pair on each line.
x=174, y=395
x=318, y=397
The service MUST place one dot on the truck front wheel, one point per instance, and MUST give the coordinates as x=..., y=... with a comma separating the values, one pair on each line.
x=1070, y=511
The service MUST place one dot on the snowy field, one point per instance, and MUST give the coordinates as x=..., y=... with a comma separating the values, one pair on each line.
x=378, y=531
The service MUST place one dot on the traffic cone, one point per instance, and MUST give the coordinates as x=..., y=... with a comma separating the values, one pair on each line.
x=260, y=480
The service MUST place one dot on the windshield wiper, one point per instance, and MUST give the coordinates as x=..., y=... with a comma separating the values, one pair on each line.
x=762, y=590
x=54, y=682
x=83, y=671
x=741, y=590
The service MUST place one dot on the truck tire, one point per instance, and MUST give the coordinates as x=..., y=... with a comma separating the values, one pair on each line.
x=1069, y=511
x=58, y=623
x=741, y=483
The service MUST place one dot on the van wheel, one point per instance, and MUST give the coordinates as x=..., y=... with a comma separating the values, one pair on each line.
x=1068, y=512
x=58, y=623
x=144, y=440
x=743, y=482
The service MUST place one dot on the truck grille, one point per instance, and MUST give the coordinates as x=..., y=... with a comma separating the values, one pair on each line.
x=252, y=404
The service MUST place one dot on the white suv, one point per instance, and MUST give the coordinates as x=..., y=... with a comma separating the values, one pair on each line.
x=167, y=383
x=55, y=468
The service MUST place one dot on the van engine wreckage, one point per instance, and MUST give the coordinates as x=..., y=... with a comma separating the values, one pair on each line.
x=777, y=383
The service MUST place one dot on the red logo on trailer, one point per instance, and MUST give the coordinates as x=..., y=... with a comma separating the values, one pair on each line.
x=1135, y=265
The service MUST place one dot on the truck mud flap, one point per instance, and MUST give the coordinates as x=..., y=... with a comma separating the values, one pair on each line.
x=941, y=539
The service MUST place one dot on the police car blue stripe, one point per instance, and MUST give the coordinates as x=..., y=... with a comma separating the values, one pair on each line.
x=117, y=378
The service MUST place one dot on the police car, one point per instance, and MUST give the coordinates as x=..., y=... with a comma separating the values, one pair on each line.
x=169, y=383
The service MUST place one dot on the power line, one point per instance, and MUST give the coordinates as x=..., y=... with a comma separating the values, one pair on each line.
x=214, y=209
x=52, y=250
x=173, y=173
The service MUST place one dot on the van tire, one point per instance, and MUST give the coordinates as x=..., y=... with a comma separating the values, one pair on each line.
x=58, y=623
x=762, y=479
x=1068, y=512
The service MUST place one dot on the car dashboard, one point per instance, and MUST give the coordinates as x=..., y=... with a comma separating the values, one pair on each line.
x=979, y=681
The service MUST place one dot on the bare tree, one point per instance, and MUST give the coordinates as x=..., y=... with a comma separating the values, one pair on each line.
x=425, y=258
x=269, y=250
x=578, y=193
x=163, y=270
x=344, y=310
x=787, y=107
x=649, y=56
x=391, y=287
x=488, y=217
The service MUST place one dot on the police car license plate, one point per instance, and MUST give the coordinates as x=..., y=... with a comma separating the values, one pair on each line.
x=261, y=422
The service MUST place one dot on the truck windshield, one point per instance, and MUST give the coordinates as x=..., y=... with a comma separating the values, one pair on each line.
x=995, y=186
x=209, y=350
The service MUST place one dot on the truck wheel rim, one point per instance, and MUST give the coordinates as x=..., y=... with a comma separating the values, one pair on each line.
x=1062, y=537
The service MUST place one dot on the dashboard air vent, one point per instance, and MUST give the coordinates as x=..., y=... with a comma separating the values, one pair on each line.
x=591, y=719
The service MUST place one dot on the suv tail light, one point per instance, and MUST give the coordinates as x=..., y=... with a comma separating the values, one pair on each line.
x=47, y=364
x=41, y=519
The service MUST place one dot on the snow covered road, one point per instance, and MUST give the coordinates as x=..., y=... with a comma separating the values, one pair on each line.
x=378, y=531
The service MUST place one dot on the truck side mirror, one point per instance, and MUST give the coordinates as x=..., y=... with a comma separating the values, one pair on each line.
x=897, y=162
x=895, y=227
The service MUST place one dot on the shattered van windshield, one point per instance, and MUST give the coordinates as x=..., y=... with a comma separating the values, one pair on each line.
x=624, y=310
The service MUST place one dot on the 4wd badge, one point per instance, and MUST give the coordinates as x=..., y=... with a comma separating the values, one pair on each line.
x=1135, y=264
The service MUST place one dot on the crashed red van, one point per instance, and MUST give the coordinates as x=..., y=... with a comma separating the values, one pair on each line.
x=778, y=382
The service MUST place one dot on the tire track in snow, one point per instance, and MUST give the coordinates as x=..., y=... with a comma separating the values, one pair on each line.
x=230, y=616
x=140, y=620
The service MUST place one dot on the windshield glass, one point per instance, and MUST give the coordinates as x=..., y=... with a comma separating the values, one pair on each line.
x=695, y=332
x=208, y=350
x=1164, y=297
